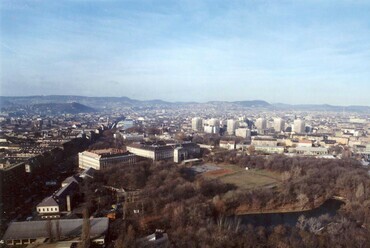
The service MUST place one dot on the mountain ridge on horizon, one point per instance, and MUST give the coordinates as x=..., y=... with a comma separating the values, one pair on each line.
x=190, y=101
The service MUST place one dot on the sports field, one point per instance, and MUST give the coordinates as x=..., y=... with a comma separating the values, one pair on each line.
x=244, y=179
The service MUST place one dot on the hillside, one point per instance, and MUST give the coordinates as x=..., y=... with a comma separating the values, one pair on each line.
x=15, y=102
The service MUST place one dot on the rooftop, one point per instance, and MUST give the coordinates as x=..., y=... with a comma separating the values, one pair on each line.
x=69, y=228
x=48, y=201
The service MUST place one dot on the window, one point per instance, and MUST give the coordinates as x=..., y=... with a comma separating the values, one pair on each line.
x=47, y=209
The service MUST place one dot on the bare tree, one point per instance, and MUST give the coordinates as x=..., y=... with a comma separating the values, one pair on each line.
x=251, y=150
x=58, y=230
x=85, y=236
x=49, y=230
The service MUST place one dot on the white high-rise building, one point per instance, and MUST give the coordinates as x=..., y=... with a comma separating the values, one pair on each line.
x=243, y=119
x=299, y=126
x=231, y=126
x=213, y=122
x=197, y=124
x=211, y=129
x=245, y=133
x=261, y=124
x=279, y=124
x=211, y=126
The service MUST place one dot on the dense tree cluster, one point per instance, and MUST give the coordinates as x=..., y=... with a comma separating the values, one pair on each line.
x=196, y=212
x=107, y=140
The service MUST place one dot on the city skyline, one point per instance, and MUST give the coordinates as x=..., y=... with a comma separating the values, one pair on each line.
x=306, y=52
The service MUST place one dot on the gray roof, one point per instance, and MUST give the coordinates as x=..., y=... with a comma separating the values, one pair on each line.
x=64, y=191
x=69, y=228
x=70, y=179
x=89, y=172
x=152, y=241
x=48, y=201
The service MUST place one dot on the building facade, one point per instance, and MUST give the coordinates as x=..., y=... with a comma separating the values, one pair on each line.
x=197, y=124
x=299, y=126
x=104, y=160
x=261, y=124
x=156, y=152
x=244, y=133
x=279, y=125
x=231, y=126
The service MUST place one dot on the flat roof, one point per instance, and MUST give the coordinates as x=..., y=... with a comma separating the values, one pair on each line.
x=105, y=153
x=311, y=149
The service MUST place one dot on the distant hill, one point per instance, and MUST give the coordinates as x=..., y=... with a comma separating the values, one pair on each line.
x=255, y=103
x=321, y=107
x=83, y=104
x=42, y=106
x=62, y=108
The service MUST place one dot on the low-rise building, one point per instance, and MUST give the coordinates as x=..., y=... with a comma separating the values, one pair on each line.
x=309, y=151
x=177, y=152
x=105, y=159
x=264, y=142
x=270, y=149
x=48, y=208
x=53, y=206
x=304, y=143
x=228, y=144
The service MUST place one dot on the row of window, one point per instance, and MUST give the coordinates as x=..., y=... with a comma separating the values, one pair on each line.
x=47, y=209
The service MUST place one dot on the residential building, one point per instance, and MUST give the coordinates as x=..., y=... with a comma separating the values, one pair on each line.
x=211, y=129
x=245, y=133
x=261, y=125
x=197, y=124
x=48, y=208
x=231, y=126
x=299, y=126
x=211, y=126
x=279, y=125
x=52, y=206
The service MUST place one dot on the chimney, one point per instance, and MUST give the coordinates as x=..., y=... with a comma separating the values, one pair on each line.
x=68, y=203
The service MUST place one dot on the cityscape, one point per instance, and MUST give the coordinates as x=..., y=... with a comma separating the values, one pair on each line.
x=190, y=123
x=59, y=163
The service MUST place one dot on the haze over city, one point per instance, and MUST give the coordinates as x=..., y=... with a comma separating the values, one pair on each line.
x=293, y=52
x=184, y=123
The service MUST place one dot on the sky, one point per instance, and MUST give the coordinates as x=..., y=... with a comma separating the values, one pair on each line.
x=295, y=52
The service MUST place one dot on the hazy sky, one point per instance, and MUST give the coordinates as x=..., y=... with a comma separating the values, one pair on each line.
x=279, y=51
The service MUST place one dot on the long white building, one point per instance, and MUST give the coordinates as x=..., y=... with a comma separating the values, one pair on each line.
x=156, y=152
x=104, y=159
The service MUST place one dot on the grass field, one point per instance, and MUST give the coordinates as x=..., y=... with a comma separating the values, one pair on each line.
x=244, y=179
